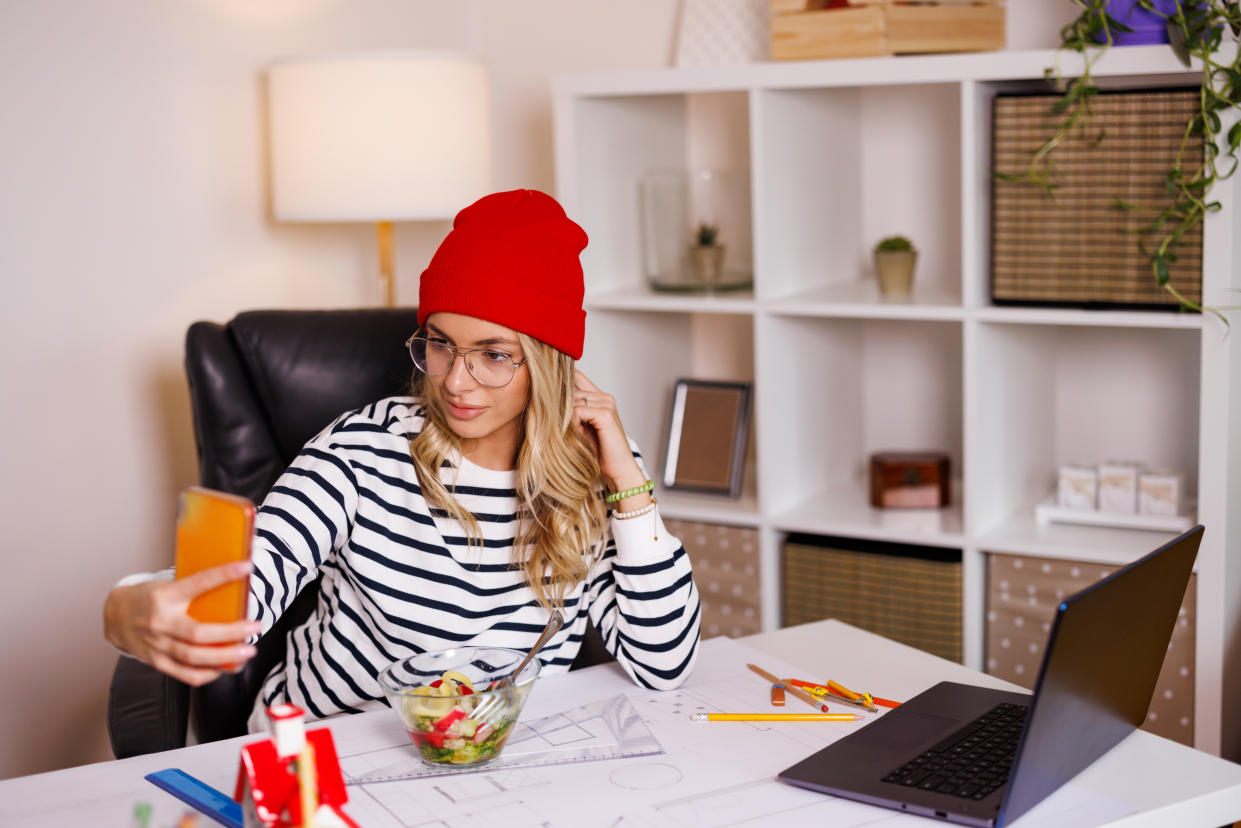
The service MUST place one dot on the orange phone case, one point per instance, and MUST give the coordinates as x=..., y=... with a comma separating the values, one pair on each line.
x=214, y=528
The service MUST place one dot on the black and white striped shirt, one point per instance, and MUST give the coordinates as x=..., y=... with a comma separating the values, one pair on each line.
x=399, y=580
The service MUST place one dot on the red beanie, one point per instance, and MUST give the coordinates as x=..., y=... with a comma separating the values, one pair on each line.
x=512, y=258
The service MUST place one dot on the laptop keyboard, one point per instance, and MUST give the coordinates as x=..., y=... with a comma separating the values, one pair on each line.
x=972, y=762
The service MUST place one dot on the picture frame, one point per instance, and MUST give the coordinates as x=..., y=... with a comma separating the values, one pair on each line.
x=708, y=429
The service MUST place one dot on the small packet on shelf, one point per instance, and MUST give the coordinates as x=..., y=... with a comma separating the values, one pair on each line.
x=1077, y=487
x=1118, y=487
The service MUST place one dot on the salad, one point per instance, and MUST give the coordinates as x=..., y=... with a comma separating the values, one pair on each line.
x=438, y=719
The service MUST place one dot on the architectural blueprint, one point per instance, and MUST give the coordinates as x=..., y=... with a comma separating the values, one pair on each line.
x=668, y=770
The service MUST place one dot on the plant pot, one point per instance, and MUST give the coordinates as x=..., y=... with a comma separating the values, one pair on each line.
x=895, y=269
x=1148, y=27
x=707, y=262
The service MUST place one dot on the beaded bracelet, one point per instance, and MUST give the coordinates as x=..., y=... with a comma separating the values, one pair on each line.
x=650, y=507
x=636, y=490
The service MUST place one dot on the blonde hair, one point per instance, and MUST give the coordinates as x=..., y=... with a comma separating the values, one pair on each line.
x=560, y=504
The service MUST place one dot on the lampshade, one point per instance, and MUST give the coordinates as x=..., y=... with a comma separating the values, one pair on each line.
x=378, y=136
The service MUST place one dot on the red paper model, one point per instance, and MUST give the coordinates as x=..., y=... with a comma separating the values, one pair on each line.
x=291, y=776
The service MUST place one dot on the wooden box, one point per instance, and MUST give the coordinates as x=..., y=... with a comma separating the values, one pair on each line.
x=867, y=28
x=909, y=480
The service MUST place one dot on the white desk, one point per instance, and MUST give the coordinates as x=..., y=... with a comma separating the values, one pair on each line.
x=720, y=779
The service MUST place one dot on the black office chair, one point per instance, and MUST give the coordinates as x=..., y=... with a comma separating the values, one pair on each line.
x=260, y=387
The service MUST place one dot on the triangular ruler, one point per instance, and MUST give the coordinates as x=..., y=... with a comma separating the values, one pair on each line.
x=609, y=729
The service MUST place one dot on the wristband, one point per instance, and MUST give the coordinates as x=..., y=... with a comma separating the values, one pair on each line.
x=636, y=490
x=650, y=507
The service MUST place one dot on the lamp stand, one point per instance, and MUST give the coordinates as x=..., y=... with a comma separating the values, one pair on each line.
x=387, y=275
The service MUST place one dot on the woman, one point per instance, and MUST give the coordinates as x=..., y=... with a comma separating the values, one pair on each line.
x=502, y=488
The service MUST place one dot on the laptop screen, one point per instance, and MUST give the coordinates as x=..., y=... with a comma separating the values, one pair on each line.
x=1102, y=661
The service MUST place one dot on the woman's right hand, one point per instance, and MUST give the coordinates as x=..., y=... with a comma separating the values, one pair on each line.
x=149, y=621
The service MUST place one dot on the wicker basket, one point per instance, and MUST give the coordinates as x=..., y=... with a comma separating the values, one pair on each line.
x=1078, y=249
x=909, y=594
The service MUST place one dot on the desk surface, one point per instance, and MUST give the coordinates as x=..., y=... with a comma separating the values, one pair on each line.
x=1144, y=781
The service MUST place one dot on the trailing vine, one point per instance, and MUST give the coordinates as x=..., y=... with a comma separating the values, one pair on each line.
x=1197, y=31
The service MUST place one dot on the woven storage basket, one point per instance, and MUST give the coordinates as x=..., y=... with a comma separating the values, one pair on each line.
x=1078, y=248
x=909, y=594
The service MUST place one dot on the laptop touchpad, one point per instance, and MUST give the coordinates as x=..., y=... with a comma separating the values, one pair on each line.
x=905, y=730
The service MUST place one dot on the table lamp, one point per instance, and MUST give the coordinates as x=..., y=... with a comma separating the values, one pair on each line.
x=378, y=136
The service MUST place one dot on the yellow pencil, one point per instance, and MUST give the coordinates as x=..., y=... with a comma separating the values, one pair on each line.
x=774, y=717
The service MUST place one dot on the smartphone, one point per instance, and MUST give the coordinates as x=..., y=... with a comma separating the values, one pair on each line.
x=214, y=528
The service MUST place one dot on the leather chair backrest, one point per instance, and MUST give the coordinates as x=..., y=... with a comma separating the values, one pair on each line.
x=268, y=381
x=260, y=387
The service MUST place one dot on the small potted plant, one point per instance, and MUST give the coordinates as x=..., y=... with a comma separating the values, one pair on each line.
x=895, y=258
x=705, y=256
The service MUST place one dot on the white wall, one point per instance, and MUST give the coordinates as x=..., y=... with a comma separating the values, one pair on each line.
x=132, y=202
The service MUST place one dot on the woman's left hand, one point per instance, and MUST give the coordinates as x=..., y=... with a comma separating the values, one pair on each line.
x=596, y=415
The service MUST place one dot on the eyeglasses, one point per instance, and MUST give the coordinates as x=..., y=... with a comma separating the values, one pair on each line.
x=434, y=356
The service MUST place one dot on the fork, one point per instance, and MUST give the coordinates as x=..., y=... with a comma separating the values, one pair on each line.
x=498, y=701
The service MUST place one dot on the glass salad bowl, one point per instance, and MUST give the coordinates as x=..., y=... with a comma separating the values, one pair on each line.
x=459, y=706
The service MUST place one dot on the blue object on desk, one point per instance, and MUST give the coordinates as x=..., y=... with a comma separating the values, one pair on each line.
x=215, y=804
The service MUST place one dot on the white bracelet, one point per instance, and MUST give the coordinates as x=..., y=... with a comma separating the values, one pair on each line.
x=647, y=509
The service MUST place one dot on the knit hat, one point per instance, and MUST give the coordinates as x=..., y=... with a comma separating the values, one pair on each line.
x=512, y=258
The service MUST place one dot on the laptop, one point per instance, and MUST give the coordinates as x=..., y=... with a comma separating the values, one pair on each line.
x=980, y=756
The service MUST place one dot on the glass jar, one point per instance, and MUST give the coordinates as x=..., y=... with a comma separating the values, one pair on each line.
x=683, y=248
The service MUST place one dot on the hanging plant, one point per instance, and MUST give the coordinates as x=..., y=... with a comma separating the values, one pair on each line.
x=1197, y=31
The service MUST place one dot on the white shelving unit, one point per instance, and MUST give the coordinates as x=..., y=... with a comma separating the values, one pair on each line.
x=834, y=155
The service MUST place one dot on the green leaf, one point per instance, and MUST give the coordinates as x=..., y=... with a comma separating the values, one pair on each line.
x=1116, y=26
x=1161, y=271
x=1070, y=97
x=1155, y=223
x=1176, y=39
x=1234, y=137
x=1121, y=204
x=1232, y=91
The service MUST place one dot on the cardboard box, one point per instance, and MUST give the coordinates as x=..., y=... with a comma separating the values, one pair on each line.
x=1078, y=487
x=884, y=29
x=1161, y=493
x=1118, y=487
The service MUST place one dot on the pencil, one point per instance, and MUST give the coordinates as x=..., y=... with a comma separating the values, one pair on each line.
x=821, y=692
x=774, y=717
x=801, y=694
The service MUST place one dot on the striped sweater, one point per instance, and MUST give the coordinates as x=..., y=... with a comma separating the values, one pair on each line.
x=399, y=579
